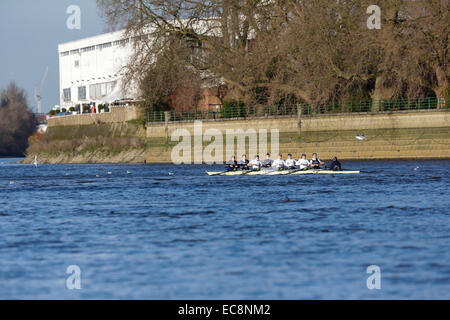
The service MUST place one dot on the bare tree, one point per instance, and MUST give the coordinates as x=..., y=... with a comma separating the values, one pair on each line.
x=426, y=29
x=170, y=82
x=290, y=51
x=219, y=33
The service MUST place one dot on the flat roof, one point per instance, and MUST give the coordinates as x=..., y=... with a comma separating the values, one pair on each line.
x=97, y=39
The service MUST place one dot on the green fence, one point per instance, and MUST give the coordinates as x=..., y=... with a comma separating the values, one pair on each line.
x=307, y=109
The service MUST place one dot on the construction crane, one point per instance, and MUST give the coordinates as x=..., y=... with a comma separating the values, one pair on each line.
x=38, y=92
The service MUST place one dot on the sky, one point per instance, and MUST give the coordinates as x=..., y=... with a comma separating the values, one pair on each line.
x=30, y=32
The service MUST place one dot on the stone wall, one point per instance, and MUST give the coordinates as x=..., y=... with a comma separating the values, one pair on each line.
x=117, y=114
x=369, y=121
x=407, y=135
x=404, y=135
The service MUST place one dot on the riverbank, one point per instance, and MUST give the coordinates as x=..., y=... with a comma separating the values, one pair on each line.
x=403, y=135
x=381, y=144
x=95, y=143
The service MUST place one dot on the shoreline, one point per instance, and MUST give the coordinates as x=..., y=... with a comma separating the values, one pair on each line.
x=406, y=136
x=219, y=164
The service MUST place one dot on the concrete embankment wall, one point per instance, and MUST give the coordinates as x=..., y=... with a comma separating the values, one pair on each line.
x=117, y=114
x=316, y=123
x=388, y=135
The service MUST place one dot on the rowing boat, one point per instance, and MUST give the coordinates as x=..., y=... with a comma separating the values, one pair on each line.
x=282, y=172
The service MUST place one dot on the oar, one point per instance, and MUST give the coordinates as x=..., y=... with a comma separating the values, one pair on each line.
x=223, y=172
x=217, y=174
x=248, y=171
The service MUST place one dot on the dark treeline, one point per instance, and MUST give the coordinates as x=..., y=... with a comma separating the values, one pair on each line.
x=284, y=51
x=17, y=122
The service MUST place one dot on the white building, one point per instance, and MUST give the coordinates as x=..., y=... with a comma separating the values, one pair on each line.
x=91, y=69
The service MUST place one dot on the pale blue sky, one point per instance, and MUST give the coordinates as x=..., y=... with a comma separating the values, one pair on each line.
x=30, y=33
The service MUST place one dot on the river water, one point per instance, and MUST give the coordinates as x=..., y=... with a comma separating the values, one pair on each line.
x=136, y=232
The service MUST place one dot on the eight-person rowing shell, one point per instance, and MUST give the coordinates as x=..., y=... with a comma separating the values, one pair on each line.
x=279, y=164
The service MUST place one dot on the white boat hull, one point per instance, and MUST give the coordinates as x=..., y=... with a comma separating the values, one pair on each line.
x=282, y=172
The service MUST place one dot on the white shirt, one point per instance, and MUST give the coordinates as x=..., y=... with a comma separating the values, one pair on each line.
x=255, y=163
x=290, y=162
x=278, y=163
x=303, y=163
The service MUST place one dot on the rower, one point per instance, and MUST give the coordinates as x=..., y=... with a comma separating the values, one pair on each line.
x=303, y=163
x=335, y=165
x=268, y=162
x=315, y=162
x=279, y=163
x=255, y=164
x=232, y=164
x=290, y=162
x=243, y=164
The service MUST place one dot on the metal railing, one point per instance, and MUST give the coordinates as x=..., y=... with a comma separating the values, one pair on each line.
x=243, y=112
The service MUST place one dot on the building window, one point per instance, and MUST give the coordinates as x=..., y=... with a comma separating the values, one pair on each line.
x=104, y=45
x=88, y=49
x=75, y=51
x=94, y=91
x=77, y=63
x=65, y=54
x=67, y=94
x=100, y=90
x=122, y=42
x=82, y=93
